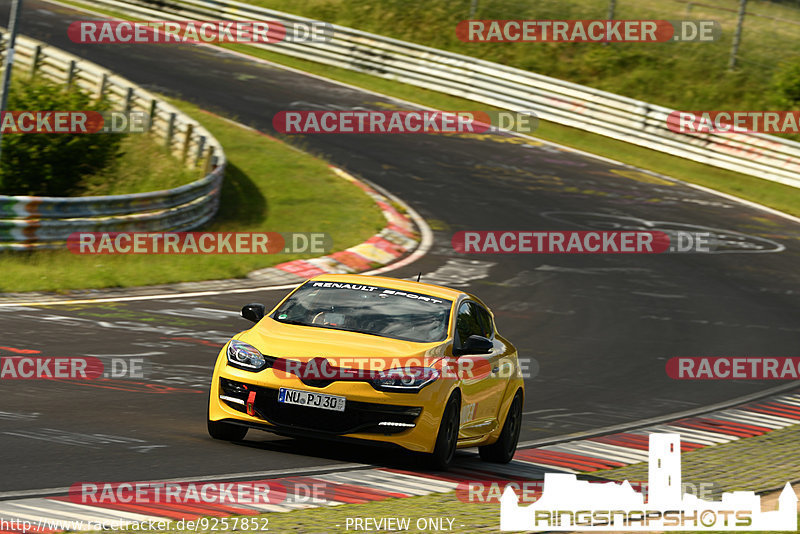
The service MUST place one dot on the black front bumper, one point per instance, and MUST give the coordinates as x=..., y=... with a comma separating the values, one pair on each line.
x=357, y=417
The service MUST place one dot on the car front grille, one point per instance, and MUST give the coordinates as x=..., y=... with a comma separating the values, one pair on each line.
x=357, y=417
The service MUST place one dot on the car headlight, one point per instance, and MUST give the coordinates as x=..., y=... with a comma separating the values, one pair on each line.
x=245, y=356
x=409, y=379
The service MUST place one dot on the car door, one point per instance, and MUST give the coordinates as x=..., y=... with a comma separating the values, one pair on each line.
x=481, y=389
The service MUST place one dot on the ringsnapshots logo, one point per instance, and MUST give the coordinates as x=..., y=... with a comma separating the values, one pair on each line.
x=193, y=31
x=588, y=31
x=569, y=504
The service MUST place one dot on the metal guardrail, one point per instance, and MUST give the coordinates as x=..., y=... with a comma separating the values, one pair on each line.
x=46, y=222
x=562, y=102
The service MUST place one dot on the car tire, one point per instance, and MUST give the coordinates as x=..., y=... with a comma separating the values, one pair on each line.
x=222, y=430
x=447, y=437
x=226, y=431
x=502, y=450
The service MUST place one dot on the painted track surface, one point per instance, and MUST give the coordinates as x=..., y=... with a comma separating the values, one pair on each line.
x=600, y=327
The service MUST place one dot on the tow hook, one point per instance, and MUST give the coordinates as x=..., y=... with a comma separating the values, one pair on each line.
x=251, y=399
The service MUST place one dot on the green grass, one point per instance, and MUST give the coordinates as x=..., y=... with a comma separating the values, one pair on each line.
x=268, y=187
x=765, y=462
x=437, y=30
x=140, y=164
x=670, y=74
x=752, y=531
x=144, y=165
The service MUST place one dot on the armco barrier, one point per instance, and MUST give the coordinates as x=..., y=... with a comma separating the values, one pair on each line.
x=45, y=222
x=574, y=105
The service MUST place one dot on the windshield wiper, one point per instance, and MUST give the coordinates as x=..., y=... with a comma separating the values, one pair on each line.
x=293, y=321
x=361, y=332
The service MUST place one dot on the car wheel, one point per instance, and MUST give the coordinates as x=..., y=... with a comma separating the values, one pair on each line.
x=447, y=438
x=502, y=450
x=226, y=431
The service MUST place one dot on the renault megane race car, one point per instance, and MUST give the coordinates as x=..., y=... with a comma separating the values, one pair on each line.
x=380, y=359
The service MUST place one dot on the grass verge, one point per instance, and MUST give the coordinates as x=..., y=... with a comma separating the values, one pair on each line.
x=268, y=187
x=760, y=463
x=774, y=195
x=144, y=165
x=669, y=74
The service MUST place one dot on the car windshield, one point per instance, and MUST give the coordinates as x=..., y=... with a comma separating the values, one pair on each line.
x=367, y=309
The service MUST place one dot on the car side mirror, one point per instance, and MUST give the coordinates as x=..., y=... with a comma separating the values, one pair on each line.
x=476, y=345
x=254, y=311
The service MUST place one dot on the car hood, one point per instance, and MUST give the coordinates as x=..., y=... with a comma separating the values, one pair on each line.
x=343, y=349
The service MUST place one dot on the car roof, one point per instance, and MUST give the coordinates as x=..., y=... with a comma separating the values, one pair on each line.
x=393, y=283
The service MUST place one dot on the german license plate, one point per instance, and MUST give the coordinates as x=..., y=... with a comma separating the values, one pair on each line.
x=313, y=400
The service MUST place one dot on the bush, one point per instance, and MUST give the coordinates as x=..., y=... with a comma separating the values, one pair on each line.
x=786, y=83
x=52, y=164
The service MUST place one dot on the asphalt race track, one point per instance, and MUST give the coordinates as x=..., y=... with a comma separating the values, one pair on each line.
x=601, y=327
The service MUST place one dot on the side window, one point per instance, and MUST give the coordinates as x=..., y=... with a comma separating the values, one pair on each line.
x=467, y=322
x=485, y=320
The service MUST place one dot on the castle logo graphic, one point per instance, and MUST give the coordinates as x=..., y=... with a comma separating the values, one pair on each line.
x=569, y=504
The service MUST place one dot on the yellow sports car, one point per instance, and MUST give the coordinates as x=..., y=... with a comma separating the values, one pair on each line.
x=372, y=358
